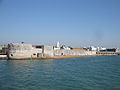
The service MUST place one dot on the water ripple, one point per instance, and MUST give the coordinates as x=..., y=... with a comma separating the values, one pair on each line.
x=85, y=73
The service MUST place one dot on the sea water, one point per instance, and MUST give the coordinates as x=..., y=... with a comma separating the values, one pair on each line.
x=84, y=73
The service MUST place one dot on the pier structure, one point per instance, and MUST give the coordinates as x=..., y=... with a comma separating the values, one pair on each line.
x=109, y=52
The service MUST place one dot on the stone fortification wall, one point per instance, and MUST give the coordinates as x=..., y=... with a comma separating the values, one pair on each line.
x=22, y=51
x=48, y=51
x=73, y=52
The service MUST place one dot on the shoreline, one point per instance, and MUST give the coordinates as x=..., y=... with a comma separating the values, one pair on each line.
x=54, y=57
x=57, y=57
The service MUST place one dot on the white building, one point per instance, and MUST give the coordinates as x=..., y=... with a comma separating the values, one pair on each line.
x=93, y=48
x=118, y=50
x=57, y=47
x=66, y=48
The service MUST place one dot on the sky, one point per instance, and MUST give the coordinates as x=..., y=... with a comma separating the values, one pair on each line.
x=77, y=23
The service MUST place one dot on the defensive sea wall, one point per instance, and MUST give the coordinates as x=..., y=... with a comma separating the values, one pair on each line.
x=63, y=52
x=27, y=51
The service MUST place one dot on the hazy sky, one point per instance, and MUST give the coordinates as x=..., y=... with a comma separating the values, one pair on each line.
x=72, y=22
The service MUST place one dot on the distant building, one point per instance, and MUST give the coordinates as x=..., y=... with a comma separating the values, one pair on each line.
x=93, y=48
x=118, y=50
x=100, y=48
x=3, y=50
x=57, y=47
x=58, y=44
x=65, y=47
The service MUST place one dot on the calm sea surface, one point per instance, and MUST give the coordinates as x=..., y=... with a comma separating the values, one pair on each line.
x=84, y=73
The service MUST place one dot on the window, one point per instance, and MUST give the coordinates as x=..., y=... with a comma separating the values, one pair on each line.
x=38, y=46
x=34, y=54
x=62, y=54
